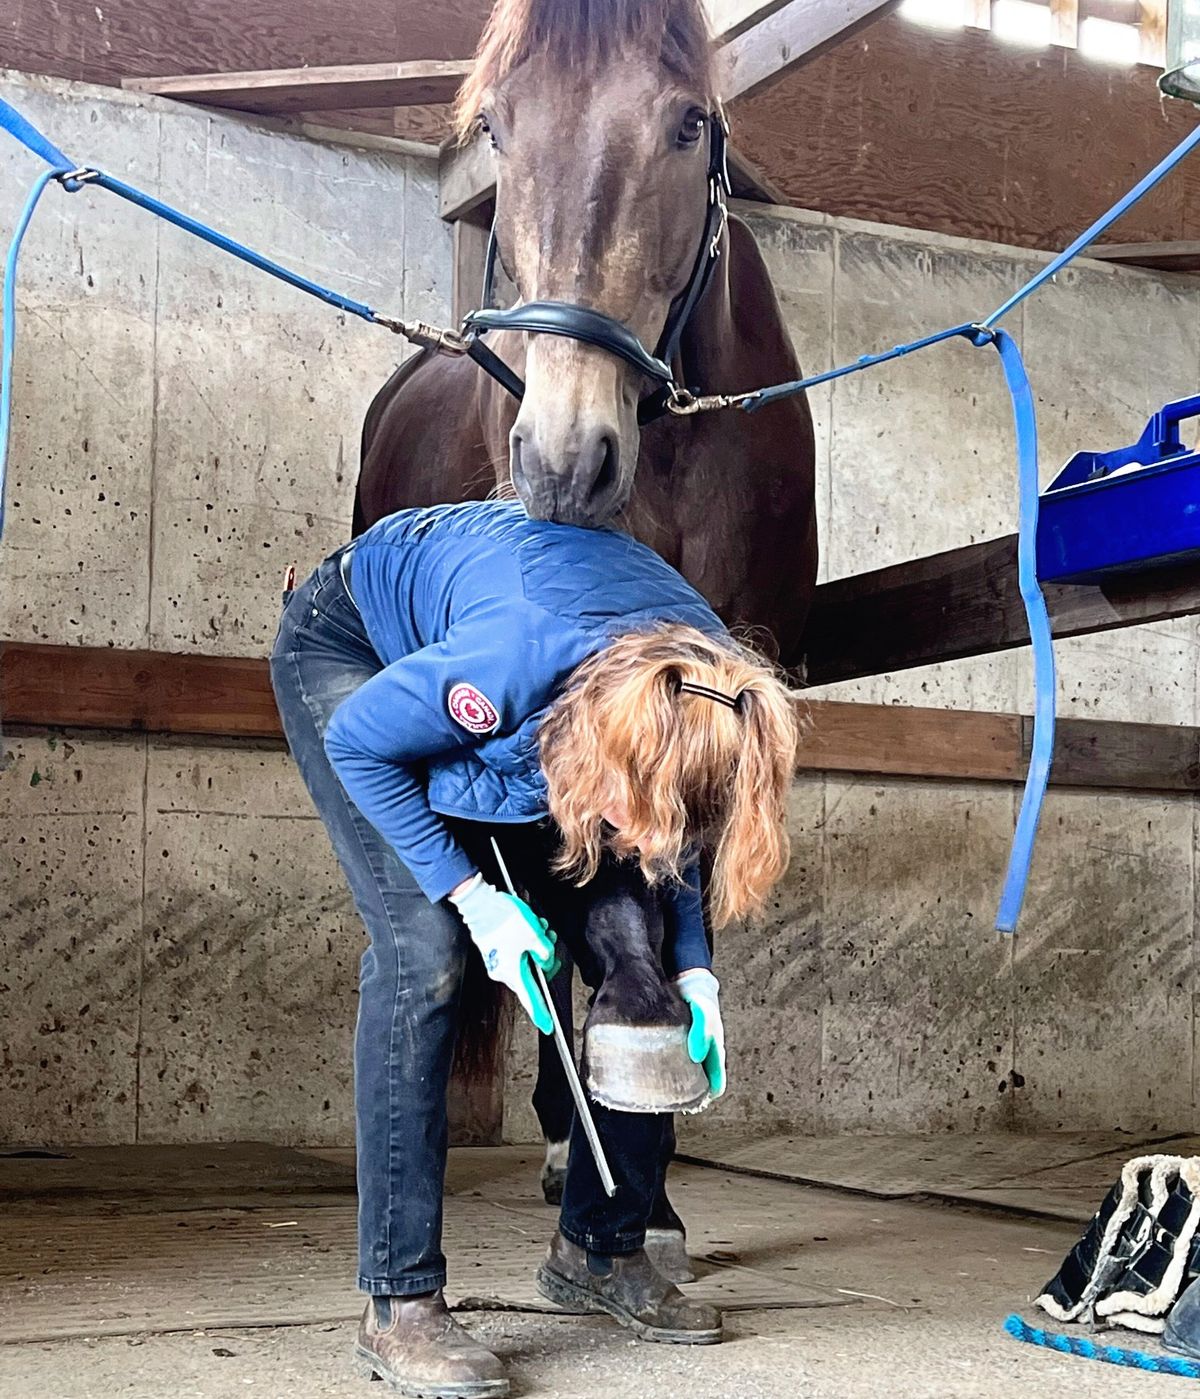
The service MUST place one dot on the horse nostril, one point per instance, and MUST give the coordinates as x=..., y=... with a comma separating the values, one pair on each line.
x=516, y=466
x=605, y=480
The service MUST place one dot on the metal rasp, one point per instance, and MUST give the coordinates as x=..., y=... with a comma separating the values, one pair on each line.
x=566, y=1054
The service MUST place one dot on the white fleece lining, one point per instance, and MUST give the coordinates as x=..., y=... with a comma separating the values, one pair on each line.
x=1163, y=1171
x=1167, y=1170
x=1153, y=1325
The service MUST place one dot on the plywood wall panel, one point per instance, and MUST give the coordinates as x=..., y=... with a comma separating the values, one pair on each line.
x=126, y=38
x=956, y=132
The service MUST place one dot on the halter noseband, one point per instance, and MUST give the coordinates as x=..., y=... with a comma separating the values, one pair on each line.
x=591, y=327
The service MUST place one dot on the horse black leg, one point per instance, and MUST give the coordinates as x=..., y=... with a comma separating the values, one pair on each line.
x=551, y=1095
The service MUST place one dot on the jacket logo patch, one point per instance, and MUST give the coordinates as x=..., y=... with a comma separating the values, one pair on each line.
x=472, y=709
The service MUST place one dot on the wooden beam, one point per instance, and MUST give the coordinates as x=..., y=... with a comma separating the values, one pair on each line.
x=1180, y=256
x=279, y=90
x=144, y=691
x=798, y=33
x=230, y=697
x=966, y=603
x=466, y=178
x=894, y=740
x=1152, y=31
x=969, y=745
x=470, y=253
x=1064, y=23
x=727, y=18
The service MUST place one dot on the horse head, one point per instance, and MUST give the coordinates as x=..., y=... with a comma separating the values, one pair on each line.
x=600, y=117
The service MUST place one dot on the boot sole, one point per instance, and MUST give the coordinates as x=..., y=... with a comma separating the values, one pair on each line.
x=555, y=1288
x=370, y=1367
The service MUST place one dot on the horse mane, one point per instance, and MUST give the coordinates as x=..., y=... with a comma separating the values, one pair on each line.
x=586, y=33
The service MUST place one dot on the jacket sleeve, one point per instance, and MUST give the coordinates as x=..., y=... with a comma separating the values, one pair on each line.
x=686, y=942
x=380, y=737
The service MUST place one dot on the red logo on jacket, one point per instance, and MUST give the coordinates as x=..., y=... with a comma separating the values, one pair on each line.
x=472, y=709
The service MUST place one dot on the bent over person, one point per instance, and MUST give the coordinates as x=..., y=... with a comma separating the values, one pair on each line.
x=461, y=671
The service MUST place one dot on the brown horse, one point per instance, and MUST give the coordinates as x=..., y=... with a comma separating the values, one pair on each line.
x=597, y=114
x=598, y=111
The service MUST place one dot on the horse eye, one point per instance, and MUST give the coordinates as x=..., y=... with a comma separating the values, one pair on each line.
x=485, y=127
x=692, y=128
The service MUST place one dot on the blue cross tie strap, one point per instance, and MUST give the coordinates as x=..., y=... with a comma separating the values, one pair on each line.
x=24, y=130
x=66, y=172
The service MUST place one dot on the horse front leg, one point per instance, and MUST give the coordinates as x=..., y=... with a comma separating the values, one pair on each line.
x=551, y=1093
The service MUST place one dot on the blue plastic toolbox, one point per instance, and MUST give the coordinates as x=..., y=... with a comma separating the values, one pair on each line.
x=1138, y=507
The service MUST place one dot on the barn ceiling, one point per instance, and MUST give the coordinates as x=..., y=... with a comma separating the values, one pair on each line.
x=951, y=130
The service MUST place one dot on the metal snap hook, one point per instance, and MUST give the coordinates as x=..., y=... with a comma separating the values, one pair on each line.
x=682, y=402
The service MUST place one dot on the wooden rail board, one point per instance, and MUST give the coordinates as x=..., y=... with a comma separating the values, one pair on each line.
x=230, y=697
x=150, y=691
x=281, y=90
x=1182, y=255
x=966, y=602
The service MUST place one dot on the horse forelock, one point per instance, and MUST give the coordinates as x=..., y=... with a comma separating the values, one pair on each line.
x=586, y=34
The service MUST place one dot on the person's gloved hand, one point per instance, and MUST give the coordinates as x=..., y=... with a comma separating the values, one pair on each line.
x=508, y=935
x=706, y=1039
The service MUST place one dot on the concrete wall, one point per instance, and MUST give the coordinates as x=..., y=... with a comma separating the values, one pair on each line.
x=178, y=959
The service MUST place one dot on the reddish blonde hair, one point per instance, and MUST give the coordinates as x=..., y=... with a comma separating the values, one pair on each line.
x=582, y=34
x=686, y=769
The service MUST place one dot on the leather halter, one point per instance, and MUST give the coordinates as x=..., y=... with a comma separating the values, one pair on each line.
x=591, y=327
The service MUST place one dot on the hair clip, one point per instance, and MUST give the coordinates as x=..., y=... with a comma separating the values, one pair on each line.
x=707, y=692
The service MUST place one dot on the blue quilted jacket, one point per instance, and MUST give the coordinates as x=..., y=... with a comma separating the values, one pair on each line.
x=479, y=615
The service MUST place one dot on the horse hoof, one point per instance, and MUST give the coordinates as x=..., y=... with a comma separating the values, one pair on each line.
x=667, y=1250
x=552, y=1186
x=643, y=1068
x=554, y=1171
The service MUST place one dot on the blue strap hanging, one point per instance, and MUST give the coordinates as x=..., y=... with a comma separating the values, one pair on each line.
x=9, y=324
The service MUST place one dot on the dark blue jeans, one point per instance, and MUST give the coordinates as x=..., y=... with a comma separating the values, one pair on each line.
x=409, y=988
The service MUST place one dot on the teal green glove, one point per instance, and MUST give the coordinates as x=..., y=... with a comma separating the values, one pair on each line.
x=706, y=1039
x=509, y=936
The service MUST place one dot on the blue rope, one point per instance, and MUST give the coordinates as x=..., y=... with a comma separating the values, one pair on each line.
x=9, y=322
x=753, y=402
x=61, y=168
x=1040, y=636
x=13, y=122
x=24, y=130
x=1102, y=225
x=229, y=245
x=1021, y=1330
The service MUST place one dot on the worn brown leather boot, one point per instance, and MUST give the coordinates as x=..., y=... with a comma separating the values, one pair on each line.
x=629, y=1288
x=417, y=1347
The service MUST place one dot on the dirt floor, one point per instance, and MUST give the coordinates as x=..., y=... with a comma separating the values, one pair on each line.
x=211, y=1272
